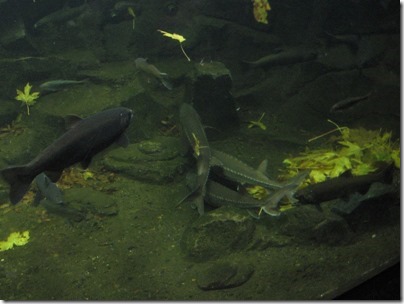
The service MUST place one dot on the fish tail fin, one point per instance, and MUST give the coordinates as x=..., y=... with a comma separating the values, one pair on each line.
x=19, y=179
x=166, y=82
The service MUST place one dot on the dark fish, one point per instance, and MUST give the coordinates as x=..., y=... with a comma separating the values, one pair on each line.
x=80, y=143
x=341, y=186
x=348, y=103
x=294, y=55
x=234, y=169
x=48, y=190
x=64, y=15
x=142, y=64
x=58, y=85
x=195, y=134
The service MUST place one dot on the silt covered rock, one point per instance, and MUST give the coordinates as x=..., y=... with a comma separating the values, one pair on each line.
x=217, y=233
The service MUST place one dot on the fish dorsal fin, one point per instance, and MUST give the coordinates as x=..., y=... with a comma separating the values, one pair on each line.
x=122, y=141
x=263, y=167
x=71, y=121
x=214, y=161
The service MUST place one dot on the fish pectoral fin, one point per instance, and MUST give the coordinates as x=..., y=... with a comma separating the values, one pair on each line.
x=122, y=140
x=263, y=167
x=54, y=175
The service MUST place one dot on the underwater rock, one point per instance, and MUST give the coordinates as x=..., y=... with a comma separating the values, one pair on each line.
x=156, y=161
x=307, y=224
x=265, y=238
x=217, y=233
x=223, y=275
x=208, y=86
x=86, y=200
x=334, y=230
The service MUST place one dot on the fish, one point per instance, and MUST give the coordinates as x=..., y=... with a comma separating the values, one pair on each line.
x=219, y=195
x=376, y=190
x=348, y=103
x=58, y=85
x=61, y=16
x=291, y=56
x=341, y=186
x=234, y=169
x=84, y=139
x=196, y=137
x=288, y=190
x=123, y=6
x=143, y=65
x=47, y=189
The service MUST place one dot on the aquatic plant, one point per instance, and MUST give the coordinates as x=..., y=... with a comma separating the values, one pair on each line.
x=258, y=123
x=27, y=97
x=177, y=37
x=260, y=8
x=15, y=238
x=358, y=150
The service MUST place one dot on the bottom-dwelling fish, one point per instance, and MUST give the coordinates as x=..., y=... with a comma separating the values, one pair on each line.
x=196, y=138
x=288, y=190
x=143, y=65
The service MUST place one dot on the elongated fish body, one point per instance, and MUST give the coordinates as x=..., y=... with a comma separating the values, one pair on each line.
x=63, y=15
x=80, y=143
x=348, y=103
x=286, y=57
x=341, y=186
x=236, y=170
x=58, y=85
x=219, y=195
x=288, y=190
x=195, y=134
x=143, y=65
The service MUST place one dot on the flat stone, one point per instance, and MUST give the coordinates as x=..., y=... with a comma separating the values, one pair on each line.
x=223, y=275
x=217, y=233
x=157, y=160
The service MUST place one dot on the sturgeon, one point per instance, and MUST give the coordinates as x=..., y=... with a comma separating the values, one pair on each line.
x=195, y=134
x=238, y=171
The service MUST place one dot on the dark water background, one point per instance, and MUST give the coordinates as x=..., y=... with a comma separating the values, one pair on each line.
x=122, y=237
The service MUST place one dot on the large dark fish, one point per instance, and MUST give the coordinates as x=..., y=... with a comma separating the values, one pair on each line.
x=80, y=143
x=341, y=186
x=195, y=134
